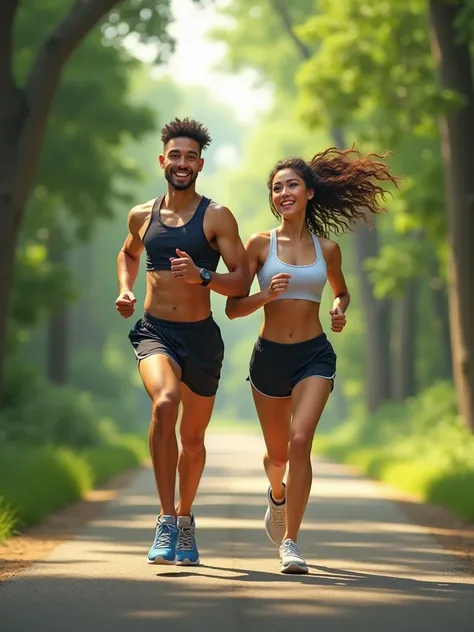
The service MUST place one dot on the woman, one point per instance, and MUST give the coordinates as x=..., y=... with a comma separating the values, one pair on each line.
x=293, y=364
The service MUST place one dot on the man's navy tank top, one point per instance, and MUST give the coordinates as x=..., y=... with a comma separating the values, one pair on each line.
x=161, y=241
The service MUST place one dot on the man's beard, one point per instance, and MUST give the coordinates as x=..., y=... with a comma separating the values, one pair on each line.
x=181, y=186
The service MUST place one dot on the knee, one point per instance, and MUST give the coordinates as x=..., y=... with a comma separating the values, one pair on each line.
x=192, y=444
x=300, y=445
x=165, y=410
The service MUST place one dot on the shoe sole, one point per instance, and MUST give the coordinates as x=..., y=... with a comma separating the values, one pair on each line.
x=267, y=531
x=294, y=569
x=160, y=561
x=187, y=562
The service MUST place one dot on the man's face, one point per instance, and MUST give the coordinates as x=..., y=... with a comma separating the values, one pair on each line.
x=181, y=162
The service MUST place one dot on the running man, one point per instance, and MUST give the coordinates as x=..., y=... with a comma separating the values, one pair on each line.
x=177, y=343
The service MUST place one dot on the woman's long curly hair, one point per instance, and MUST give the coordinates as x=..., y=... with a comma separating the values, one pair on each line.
x=346, y=185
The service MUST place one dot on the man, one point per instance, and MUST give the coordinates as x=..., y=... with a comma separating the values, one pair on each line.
x=177, y=343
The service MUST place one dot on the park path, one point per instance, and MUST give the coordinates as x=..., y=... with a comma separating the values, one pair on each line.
x=370, y=568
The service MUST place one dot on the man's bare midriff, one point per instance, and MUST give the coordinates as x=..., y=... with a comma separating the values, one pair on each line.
x=290, y=320
x=171, y=299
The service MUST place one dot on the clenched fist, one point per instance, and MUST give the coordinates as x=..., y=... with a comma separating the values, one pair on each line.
x=125, y=304
x=338, y=319
x=278, y=285
x=184, y=268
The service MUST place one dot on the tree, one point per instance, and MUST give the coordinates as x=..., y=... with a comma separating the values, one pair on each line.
x=24, y=110
x=454, y=65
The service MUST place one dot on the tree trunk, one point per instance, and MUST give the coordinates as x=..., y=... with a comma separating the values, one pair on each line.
x=11, y=117
x=377, y=330
x=439, y=297
x=58, y=345
x=86, y=332
x=457, y=137
x=58, y=324
x=404, y=379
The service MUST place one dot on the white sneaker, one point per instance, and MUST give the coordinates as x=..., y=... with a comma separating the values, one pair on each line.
x=275, y=519
x=290, y=557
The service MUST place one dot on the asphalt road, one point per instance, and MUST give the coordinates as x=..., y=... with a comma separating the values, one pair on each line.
x=370, y=568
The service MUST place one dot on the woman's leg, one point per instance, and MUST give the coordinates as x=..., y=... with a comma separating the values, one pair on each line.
x=309, y=399
x=274, y=415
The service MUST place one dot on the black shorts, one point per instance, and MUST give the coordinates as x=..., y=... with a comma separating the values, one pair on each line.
x=276, y=368
x=196, y=347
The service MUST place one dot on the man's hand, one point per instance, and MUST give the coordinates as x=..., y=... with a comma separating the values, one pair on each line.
x=338, y=319
x=278, y=285
x=184, y=268
x=125, y=304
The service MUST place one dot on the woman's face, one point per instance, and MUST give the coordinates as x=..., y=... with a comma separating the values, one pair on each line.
x=289, y=193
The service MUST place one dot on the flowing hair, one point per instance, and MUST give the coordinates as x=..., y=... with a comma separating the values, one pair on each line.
x=346, y=186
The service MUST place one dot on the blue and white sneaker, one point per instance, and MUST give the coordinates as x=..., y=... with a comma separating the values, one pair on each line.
x=187, y=553
x=163, y=549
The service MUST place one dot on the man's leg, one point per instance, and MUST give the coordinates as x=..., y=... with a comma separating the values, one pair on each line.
x=195, y=416
x=196, y=413
x=161, y=377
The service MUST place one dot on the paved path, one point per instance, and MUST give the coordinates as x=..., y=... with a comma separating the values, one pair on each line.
x=370, y=569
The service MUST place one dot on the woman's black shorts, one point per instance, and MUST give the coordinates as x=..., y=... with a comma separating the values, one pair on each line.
x=196, y=347
x=276, y=368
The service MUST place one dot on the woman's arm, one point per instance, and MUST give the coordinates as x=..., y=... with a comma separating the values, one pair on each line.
x=338, y=285
x=245, y=305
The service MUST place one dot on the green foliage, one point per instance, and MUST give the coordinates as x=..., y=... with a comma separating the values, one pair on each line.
x=145, y=20
x=258, y=37
x=420, y=446
x=371, y=56
x=36, y=481
x=124, y=453
x=38, y=413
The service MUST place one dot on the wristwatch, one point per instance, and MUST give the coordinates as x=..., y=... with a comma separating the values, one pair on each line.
x=206, y=276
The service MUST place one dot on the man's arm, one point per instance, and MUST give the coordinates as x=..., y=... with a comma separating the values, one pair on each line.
x=236, y=282
x=128, y=262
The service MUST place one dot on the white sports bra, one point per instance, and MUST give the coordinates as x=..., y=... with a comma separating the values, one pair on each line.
x=306, y=283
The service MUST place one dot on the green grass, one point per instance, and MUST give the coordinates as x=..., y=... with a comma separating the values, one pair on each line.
x=37, y=481
x=7, y=520
x=421, y=447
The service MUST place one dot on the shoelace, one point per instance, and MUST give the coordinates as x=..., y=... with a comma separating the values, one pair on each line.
x=186, y=540
x=163, y=536
x=278, y=516
x=291, y=548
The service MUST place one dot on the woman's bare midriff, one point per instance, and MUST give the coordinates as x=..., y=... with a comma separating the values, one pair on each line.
x=171, y=299
x=289, y=320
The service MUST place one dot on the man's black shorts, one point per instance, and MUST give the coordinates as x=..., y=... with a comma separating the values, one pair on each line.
x=196, y=347
x=276, y=368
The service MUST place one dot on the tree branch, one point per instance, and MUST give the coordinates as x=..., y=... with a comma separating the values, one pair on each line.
x=281, y=7
x=8, y=9
x=10, y=109
x=42, y=84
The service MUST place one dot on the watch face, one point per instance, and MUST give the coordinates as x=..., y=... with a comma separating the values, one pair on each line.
x=205, y=275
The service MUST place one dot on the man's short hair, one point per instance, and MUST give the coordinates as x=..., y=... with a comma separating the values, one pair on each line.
x=188, y=128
